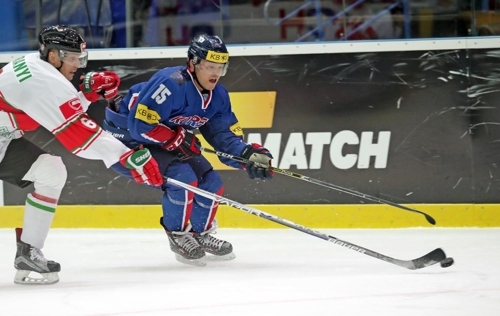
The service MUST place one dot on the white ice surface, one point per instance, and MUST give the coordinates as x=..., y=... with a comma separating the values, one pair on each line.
x=276, y=272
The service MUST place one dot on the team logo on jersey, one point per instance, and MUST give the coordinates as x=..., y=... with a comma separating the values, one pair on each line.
x=75, y=104
x=194, y=120
x=70, y=108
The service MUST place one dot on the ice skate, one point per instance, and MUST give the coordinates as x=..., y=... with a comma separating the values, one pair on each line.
x=186, y=248
x=30, y=260
x=220, y=249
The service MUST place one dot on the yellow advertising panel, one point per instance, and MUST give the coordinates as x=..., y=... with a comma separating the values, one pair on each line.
x=253, y=110
x=313, y=216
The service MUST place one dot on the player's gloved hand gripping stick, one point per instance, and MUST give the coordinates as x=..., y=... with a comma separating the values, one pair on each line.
x=259, y=161
x=183, y=143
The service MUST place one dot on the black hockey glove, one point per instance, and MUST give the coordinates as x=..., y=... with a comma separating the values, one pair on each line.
x=259, y=158
x=184, y=144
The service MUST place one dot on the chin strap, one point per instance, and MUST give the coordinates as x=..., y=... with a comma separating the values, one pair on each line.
x=197, y=81
x=59, y=68
x=193, y=74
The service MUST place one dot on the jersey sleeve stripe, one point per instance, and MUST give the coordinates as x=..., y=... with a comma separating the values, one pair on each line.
x=88, y=143
x=159, y=134
x=66, y=123
x=12, y=119
x=78, y=134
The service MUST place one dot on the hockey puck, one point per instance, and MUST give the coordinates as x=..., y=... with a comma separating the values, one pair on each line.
x=447, y=262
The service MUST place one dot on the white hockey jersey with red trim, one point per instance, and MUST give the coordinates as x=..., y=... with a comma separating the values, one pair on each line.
x=33, y=93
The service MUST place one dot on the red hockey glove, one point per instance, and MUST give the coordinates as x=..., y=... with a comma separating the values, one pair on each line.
x=184, y=144
x=97, y=84
x=143, y=166
x=260, y=155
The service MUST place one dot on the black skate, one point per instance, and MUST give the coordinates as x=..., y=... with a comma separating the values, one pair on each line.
x=31, y=260
x=186, y=248
x=220, y=249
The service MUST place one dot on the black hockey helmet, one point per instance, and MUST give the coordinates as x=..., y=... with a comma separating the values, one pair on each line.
x=210, y=48
x=67, y=41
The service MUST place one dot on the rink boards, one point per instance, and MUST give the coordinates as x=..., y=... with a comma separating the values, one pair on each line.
x=312, y=216
x=413, y=122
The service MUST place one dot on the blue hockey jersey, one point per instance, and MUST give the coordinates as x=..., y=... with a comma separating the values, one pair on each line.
x=171, y=98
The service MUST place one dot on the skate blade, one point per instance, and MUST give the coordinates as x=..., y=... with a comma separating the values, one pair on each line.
x=229, y=256
x=194, y=262
x=23, y=277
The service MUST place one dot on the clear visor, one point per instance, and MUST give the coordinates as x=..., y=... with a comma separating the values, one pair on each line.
x=210, y=68
x=74, y=59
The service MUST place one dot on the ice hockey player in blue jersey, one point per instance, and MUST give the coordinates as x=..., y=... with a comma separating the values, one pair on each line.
x=161, y=114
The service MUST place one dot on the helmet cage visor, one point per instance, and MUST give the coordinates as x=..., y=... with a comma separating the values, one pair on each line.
x=76, y=59
x=210, y=68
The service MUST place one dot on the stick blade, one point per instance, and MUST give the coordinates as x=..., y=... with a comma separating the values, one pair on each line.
x=433, y=257
x=430, y=219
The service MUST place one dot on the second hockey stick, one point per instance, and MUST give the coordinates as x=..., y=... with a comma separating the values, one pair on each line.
x=433, y=257
x=299, y=176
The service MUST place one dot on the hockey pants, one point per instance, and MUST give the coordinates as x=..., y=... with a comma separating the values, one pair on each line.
x=181, y=207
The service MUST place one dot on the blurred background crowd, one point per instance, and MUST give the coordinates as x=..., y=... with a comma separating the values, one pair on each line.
x=151, y=23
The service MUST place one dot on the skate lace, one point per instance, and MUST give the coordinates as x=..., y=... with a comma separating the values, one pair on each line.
x=37, y=254
x=211, y=242
x=187, y=242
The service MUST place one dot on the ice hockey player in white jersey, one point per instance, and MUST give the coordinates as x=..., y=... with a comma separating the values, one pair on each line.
x=35, y=90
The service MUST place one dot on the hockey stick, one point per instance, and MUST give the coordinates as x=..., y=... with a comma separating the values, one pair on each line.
x=299, y=176
x=433, y=257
